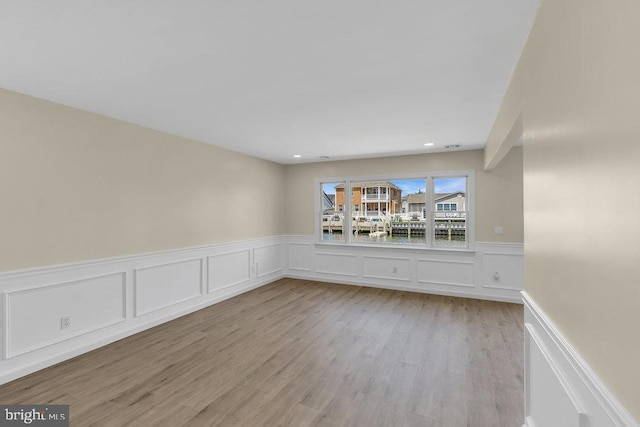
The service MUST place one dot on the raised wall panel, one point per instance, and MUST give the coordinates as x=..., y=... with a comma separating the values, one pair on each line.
x=560, y=387
x=164, y=285
x=374, y=267
x=446, y=272
x=229, y=269
x=269, y=259
x=111, y=299
x=508, y=266
x=439, y=271
x=338, y=264
x=33, y=316
x=300, y=255
x=551, y=400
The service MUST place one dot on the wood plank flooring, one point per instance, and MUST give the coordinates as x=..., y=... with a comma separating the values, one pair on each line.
x=302, y=353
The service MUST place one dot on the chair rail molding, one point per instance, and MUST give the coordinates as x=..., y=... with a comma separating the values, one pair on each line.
x=560, y=386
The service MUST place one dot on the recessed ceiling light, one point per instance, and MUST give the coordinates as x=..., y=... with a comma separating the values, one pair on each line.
x=429, y=144
x=297, y=156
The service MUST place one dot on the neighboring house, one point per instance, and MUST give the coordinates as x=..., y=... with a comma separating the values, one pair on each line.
x=416, y=204
x=371, y=198
x=328, y=202
x=450, y=202
x=450, y=217
x=443, y=204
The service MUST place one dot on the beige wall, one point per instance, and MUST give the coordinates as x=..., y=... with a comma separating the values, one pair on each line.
x=498, y=193
x=79, y=186
x=581, y=97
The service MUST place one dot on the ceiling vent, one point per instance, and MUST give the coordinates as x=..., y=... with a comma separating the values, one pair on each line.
x=323, y=157
x=450, y=146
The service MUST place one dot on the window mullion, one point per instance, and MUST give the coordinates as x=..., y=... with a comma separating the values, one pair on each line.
x=429, y=203
x=346, y=220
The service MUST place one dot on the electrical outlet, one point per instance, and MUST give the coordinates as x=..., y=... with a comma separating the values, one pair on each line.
x=496, y=277
x=65, y=322
x=395, y=270
x=498, y=229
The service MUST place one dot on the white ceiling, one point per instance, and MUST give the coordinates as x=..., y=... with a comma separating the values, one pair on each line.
x=274, y=78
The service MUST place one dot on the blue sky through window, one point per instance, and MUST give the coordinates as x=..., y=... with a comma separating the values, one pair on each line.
x=411, y=186
x=450, y=185
x=329, y=188
x=441, y=185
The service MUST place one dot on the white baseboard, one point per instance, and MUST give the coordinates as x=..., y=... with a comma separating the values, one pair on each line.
x=560, y=387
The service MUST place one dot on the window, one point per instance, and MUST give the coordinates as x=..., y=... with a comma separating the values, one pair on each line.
x=449, y=223
x=433, y=210
x=331, y=216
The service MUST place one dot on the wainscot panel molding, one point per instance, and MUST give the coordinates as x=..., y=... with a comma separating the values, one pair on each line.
x=560, y=387
x=438, y=271
x=164, y=285
x=33, y=319
x=386, y=268
x=232, y=268
x=446, y=272
x=107, y=300
x=299, y=256
x=268, y=259
x=336, y=264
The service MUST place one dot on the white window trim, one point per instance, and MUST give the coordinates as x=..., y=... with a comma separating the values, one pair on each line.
x=428, y=177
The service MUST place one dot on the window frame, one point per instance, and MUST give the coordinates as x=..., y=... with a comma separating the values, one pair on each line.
x=430, y=204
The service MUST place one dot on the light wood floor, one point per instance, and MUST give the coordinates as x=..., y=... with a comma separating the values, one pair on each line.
x=302, y=353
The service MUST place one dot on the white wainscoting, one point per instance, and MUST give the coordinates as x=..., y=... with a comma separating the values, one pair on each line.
x=439, y=271
x=164, y=285
x=110, y=299
x=268, y=259
x=33, y=316
x=336, y=264
x=560, y=387
x=509, y=270
x=299, y=256
x=386, y=268
x=229, y=269
x=447, y=272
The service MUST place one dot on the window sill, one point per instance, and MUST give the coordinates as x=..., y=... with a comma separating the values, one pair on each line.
x=395, y=247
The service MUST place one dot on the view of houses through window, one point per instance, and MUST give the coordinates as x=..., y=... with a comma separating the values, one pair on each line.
x=332, y=216
x=429, y=211
x=450, y=214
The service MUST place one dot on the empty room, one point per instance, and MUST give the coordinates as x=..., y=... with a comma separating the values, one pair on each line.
x=355, y=213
